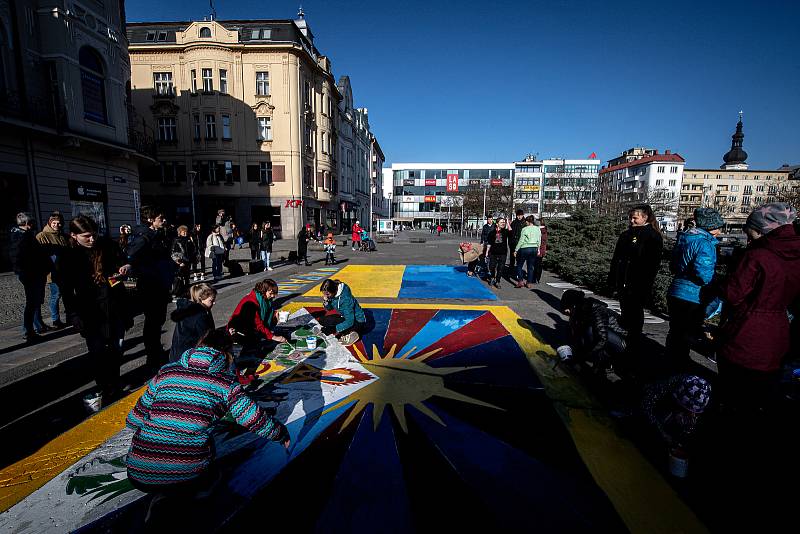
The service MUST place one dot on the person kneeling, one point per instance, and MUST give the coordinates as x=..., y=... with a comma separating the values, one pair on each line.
x=348, y=319
x=172, y=449
x=595, y=334
x=254, y=319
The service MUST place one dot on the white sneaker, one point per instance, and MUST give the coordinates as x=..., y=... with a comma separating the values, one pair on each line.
x=270, y=269
x=349, y=339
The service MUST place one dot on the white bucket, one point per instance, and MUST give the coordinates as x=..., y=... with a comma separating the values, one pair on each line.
x=678, y=464
x=564, y=352
x=93, y=402
x=311, y=342
x=283, y=316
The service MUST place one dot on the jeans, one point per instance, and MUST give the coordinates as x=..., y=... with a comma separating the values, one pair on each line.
x=55, y=296
x=216, y=265
x=529, y=257
x=265, y=258
x=34, y=298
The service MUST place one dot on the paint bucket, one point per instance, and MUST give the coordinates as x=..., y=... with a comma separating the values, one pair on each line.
x=678, y=463
x=311, y=342
x=93, y=402
x=564, y=352
x=283, y=316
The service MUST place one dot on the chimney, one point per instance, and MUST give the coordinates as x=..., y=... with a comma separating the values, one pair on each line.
x=667, y=152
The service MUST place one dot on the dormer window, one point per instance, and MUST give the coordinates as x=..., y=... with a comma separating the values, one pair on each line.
x=162, y=36
x=261, y=34
x=205, y=32
x=150, y=37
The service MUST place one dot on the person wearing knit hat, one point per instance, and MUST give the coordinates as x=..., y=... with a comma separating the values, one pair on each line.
x=755, y=332
x=673, y=407
x=694, y=259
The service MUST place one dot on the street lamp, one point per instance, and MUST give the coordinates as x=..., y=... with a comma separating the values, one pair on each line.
x=192, y=175
x=390, y=209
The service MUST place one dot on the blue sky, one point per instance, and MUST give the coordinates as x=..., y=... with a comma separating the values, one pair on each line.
x=491, y=81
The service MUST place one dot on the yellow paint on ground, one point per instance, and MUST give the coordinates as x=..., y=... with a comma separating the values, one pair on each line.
x=19, y=480
x=369, y=281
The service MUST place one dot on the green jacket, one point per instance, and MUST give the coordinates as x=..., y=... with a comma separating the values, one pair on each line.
x=531, y=237
x=347, y=306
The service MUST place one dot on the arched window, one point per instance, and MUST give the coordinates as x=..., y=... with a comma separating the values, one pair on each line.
x=205, y=32
x=92, y=85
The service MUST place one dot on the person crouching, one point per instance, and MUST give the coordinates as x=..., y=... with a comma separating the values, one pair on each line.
x=347, y=319
x=193, y=319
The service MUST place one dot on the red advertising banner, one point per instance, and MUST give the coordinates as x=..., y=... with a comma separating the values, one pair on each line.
x=452, y=182
x=430, y=181
x=497, y=181
x=430, y=198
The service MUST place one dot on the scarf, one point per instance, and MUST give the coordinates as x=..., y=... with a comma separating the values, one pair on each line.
x=265, y=309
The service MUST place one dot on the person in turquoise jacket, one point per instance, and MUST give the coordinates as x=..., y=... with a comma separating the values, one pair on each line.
x=694, y=259
x=347, y=321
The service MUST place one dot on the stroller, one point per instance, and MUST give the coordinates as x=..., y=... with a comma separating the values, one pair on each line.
x=367, y=244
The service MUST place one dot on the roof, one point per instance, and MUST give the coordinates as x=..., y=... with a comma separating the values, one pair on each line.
x=282, y=30
x=656, y=158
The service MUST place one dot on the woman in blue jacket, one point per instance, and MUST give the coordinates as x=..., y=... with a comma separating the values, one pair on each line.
x=349, y=320
x=694, y=259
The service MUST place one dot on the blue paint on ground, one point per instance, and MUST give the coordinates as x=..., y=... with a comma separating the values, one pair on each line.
x=444, y=323
x=377, y=323
x=442, y=282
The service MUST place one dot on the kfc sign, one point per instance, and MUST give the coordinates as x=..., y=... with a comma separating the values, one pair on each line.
x=452, y=183
x=430, y=181
x=293, y=203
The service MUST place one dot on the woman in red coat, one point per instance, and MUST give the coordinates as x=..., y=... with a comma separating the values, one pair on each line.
x=357, y=235
x=755, y=328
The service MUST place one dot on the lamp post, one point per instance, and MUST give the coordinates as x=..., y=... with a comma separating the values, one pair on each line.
x=192, y=175
x=390, y=209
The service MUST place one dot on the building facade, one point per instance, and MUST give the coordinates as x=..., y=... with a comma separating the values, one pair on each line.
x=246, y=114
x=733, y=189
x=64, y=106
x=642, y=175
x=568, y=184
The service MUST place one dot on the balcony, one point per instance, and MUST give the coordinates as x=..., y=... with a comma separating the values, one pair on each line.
x=164, y=93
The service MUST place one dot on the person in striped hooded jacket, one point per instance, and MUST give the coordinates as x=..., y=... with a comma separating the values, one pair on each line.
x=172, y=451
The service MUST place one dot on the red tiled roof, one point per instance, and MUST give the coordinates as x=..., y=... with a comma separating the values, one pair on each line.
x=659, y=158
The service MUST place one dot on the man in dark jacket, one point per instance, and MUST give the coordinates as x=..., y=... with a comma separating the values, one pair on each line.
x=486, y=231
x=149, y=255
x=516, y=229
x=595, y=334
x=31, y=266
x=637, y=257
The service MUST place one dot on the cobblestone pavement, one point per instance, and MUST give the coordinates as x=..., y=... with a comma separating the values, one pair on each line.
x=12, y=301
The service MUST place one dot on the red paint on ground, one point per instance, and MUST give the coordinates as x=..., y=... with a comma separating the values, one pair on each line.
x=403, y=325
x=482, y=329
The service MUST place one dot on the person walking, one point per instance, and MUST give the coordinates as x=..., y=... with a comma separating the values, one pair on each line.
x=95, y=300
x=634, y=265
x=356, y=235
x=185, y=254
x=267, y=239
x=54, y=242
x=754, y=332
x=149, y=254
x=516, y=230
x=303, y=237
x=694, y=258
x=497, y=251
x=215, y=250
x=537, y=274
x=527, y=251
x=31, y=266
x=193, y=319
x=254, y=240
x=198, y=274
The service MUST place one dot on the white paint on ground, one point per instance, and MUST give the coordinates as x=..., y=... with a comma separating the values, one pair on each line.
x=611, y=303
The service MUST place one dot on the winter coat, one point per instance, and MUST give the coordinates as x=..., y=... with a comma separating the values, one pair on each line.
x=485, y=231
x=247, y=321
x=755, y=327
x=174, y=418
x=498, y=241
x=694, y=258
x=543, y=245
x=104, y=310
x=357, y=232
x=254, y=238
x=214, y=240
x=267, y=238
x=185, y=247
x=636, y=260
x=516, y=230
x=53, y=244
x=347, y=306
x=28, y=257
x=302, y=242
x=149, y=253
x=192, y=322
x=594, y=316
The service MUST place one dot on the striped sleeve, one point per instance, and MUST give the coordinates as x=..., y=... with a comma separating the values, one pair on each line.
x=250, y=415
x=141, y=411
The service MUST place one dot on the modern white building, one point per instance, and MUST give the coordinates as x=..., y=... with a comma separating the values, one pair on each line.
x=568, y=185
x=643, y=175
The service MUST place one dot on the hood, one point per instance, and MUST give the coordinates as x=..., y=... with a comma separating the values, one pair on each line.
x=186, y=308
x=204, y=359
x=341, y=289
x=697, y=233
x=782, y=241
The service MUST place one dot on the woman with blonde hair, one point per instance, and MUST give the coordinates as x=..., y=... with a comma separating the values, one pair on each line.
x=193, y=319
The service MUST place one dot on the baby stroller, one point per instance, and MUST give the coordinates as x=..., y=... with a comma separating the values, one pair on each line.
x=367, y=245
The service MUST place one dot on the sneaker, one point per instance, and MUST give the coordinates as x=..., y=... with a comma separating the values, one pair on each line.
x=349, y=339
x=270, y=269
x=33, y=338
x=497, y=285
x=44, y=329
x=58, y=325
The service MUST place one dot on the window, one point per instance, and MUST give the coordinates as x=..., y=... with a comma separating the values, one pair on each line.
x=744, y=209
x=193, y=76
x=162, y=36
x=229, y=172
x=262, y=83
x=168, y=175
x=324, y=146
x=261, y=33
x=307, y=178
x=769, y=177
x=196, y=123
x=92, y=85
x=748, y=190
x=730, y=177
x=673, y=170
x=211, y=127
x=309, y=134
x=208, y=81
x=265, y=173
x=659, y=183
x=734, y=188
x=760, y=188
x=223, y=81
x=264, y=129
x=167, y=130
x=732, y=198
x=330, y=107
x=660, y=169
x=205, y=32
x=226, y=126
x=150, y=37
x=162, y=81
x=307, y=95
x=745, y=201
x=212, y=173
x=673, y=183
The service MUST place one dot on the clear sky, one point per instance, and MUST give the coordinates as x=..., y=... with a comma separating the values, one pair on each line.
x=491, y=81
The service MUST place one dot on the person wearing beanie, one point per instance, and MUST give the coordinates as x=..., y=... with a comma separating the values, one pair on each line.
x=694, y=258
x=672, y=408
x=754, y=333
